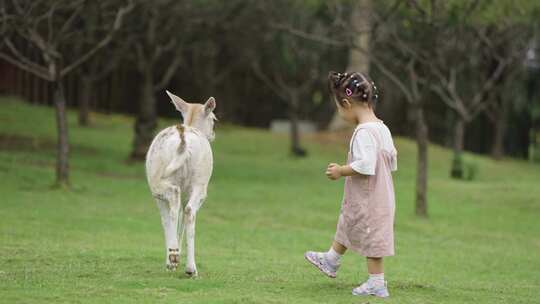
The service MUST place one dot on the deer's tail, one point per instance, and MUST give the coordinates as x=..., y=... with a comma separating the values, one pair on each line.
x=181, y=131
x=180, y=158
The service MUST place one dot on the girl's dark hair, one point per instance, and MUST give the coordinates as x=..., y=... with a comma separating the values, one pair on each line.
x=354, y=86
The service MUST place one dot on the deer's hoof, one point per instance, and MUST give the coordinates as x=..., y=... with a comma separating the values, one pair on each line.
x=173, y=259
x=192, y=272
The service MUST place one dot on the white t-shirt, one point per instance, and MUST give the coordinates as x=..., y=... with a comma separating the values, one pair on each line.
x=364, y=147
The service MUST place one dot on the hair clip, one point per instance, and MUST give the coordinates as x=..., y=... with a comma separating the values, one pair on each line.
x=348, y=92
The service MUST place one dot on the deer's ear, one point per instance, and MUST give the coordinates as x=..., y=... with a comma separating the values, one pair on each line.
x=178, y=103
x=209, y=105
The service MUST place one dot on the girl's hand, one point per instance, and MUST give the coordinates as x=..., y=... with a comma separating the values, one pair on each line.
x=333, y=171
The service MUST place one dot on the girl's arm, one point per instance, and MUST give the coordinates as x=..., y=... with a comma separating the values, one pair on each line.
x=335, y=171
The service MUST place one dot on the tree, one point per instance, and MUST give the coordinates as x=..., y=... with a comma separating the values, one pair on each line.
x=360, y=23
x=89, y=74
x=293, y=65
x=533, y=96
x=502, y=42
x=222, y=22
x=474, y=60
x=50, y=29
x=157, y=32
x=102, y=63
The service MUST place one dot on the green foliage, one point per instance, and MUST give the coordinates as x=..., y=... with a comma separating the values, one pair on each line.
x=471, y=170
x=102, y=241
x=457, y=167
x=500, y=11
x=464, y=168
x=483, y=11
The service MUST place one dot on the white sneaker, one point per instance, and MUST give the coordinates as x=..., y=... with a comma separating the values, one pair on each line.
x=318, y=259
x=369, y=289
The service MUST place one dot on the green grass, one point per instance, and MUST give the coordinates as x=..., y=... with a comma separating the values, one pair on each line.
x=101, y=241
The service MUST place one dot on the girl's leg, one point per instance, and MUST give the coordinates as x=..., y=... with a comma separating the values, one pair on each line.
x=375, y=285
x=327, y=262
x=334, y=253
x=375, y=265
x=339, y=248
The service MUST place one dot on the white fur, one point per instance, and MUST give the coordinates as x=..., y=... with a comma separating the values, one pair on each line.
x=178, y=179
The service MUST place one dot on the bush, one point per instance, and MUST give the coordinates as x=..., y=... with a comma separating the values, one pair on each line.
x=463, y=169
x=471, y=170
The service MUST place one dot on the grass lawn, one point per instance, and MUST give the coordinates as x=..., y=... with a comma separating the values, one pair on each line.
x=102, y=242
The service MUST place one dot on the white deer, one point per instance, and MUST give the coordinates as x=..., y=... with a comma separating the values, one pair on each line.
x=178, y=169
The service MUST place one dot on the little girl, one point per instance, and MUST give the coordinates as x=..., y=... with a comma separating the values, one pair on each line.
x=366, y=220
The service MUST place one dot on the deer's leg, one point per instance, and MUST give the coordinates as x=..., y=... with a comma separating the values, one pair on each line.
x=169, y=207
x=195, y=201
x=191, y=268
x=181, y=228
x=174, y=212
x=164, y=211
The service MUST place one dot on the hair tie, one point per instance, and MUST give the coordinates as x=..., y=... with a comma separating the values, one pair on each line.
x=348, y=92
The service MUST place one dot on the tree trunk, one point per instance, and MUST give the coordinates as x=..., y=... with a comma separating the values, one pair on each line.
x=62, y=156
x=19, y=86
x=36, y=82
x=422, y=142
x=26, y=87
x=531, y=144
x=43, y=91
x=146, y=121
x=531, y=124
x=457, y=162
x=358, y=59
x=84, y=101
x=499, y=131
x=295, y=133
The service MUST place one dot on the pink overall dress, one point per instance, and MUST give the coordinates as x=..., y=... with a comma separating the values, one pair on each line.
x=366, y=220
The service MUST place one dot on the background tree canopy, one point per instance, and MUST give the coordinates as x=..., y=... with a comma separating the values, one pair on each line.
x=464, y=62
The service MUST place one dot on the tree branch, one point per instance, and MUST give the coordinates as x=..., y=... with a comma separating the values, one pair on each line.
x=76, y=12
x=117, y=24
x=23, y=59
x=169, y=73
x=309, y=36
x=400, y=84
x=41, y=73
x=259, y=73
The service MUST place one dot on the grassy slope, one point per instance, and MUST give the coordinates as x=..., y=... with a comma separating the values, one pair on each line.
x=102, y=241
